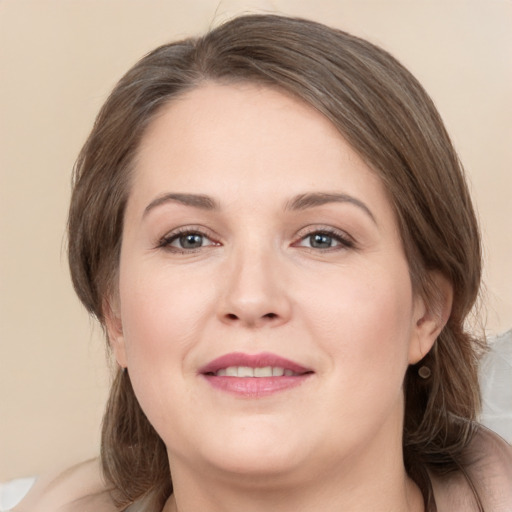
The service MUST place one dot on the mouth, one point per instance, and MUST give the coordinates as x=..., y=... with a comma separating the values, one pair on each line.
x=258, y=372
x=254, y=375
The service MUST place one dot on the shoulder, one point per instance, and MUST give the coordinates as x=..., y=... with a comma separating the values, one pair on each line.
x=490, y=470
x=79, y=488
x=484, y=480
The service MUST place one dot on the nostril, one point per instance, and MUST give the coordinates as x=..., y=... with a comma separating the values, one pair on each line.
x=270, y=316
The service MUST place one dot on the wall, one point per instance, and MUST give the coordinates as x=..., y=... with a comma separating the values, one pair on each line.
x=58, y=61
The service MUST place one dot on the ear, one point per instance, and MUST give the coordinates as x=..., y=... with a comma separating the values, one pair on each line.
x=114, y=327
x=429, y=319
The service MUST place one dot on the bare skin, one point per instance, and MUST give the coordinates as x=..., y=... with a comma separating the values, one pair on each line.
x=79, y=488
x=295, y=251
x=253, y=228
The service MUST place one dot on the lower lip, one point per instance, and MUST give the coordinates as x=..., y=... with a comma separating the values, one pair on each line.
x=255, y=387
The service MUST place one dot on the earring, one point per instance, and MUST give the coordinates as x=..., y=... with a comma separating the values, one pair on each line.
x=424, y=372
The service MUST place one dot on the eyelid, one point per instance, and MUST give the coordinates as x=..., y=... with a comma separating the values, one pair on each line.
x=165, y=241
x=345, y=240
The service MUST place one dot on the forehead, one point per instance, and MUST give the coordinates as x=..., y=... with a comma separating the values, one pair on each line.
x=213, y=114
x=238, y=131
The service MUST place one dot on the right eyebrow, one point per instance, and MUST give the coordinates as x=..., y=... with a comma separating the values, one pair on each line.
x=195, y=200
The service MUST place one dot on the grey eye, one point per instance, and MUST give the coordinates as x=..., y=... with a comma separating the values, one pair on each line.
x=190, y=241
x=185, y=241
x=321, y=241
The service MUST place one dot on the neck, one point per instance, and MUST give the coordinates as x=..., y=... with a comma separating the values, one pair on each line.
x=329, y=491
x=356, y=477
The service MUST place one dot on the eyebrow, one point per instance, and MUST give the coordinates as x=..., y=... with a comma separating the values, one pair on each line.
x=195, y=200
x=313, y=199
x=300, y=202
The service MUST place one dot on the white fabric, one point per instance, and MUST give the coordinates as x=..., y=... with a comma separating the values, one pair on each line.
x=496, y=386
x=11, y=493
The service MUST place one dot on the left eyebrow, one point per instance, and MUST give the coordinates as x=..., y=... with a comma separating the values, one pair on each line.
x=312, y=199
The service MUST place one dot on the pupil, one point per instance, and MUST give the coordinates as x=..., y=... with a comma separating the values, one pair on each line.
x=320, y=241
x=191, y=241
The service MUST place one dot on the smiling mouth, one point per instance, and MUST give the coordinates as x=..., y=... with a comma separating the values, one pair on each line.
x=259, y=372
x=254, y=376
x=265, y=364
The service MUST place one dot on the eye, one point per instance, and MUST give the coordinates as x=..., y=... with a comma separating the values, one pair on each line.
x=325, y=240
x=321, y=241
x=185, y=240
x=189, y=241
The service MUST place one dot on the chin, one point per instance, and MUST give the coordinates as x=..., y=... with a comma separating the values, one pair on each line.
x=254, y=454
x=255, y=469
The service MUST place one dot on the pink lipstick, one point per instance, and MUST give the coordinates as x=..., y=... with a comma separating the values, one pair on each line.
x=254, y=375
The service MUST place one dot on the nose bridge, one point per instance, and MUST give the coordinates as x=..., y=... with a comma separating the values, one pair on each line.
x=254, y=291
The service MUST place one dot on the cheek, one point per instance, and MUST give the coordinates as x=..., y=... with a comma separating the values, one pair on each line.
x=161, y=313
x=364, y=318
x=162, y=318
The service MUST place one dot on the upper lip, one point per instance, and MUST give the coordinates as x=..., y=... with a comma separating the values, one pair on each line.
x=260, y=360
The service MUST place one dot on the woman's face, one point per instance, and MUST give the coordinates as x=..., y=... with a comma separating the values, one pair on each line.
x=265, y=310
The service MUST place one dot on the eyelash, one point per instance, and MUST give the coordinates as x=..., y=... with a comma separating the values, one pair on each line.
x=167, y=240
x=341, y=238
x=344, y=240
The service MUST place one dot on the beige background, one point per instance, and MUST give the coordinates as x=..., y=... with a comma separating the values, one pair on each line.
x=59, y=59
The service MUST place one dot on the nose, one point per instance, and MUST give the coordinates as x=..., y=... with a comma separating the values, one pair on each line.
x=255, y=293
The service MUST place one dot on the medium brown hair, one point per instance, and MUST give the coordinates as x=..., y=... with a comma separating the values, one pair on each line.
x=387, y=117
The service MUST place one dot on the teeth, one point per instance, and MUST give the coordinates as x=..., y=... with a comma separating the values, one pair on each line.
x=263, y=372
x=232, y=371
x=247, y=371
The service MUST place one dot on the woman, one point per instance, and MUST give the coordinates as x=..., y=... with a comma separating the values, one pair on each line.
x=273, y=227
